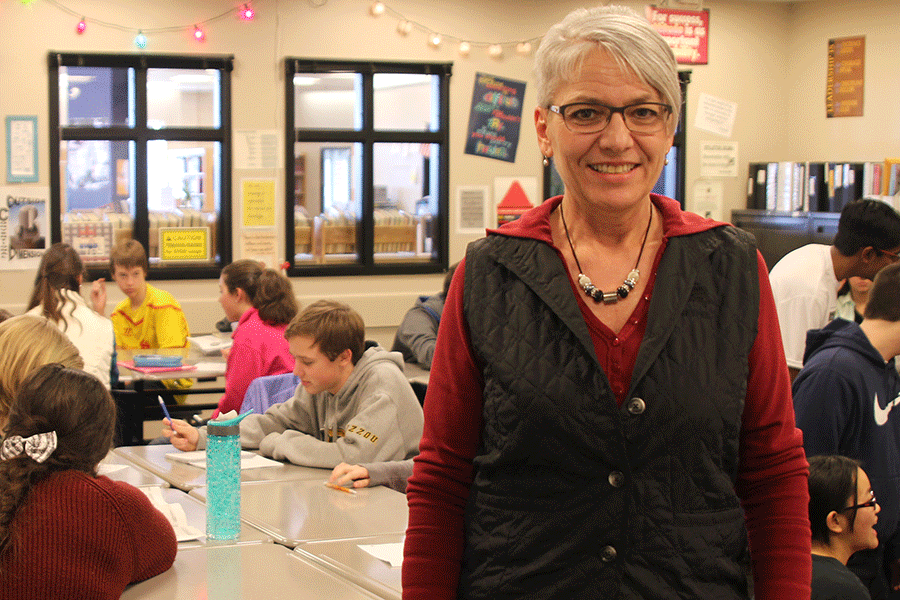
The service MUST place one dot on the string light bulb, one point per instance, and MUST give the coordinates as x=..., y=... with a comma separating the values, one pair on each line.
x=523, y=48
x=199, y=34
x=81, y=26
x=495, y=50
x=246, y=13
x=434, y=40
x=140, y=40
x=404, y=27
x=377, y=9
x=464, y=48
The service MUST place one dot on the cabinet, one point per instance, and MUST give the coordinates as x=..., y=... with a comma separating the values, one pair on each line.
x=778, y=232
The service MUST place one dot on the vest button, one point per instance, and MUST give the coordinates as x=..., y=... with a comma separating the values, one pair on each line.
x=608, y=554
x=616, y=479
x=636, y=406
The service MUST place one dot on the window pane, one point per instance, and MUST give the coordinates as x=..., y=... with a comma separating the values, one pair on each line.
x=406, y=101
x=183, y=200
x=183, y=98
x=96, y=96
x=328, y=101
x=405, y=178
x=97, y=198
x=327, y=215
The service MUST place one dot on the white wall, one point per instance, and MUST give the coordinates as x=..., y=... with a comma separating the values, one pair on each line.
x=767, y=57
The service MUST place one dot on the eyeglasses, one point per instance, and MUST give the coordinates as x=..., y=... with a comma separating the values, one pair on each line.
x=870, y=503
x=893, y=255
x=592, y=117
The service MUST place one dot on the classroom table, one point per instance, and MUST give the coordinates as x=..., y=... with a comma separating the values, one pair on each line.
x=348, y=560
x=195, y=511
x=302, y=510
x=118, y=468
x=187, y=477
x=139, y=403
x=242, y=572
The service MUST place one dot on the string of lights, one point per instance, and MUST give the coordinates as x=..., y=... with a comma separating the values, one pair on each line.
x=435, y=39
x=246, y=12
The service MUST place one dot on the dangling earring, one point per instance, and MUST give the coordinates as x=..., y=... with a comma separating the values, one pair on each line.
x=546, y=161
x=667, y=161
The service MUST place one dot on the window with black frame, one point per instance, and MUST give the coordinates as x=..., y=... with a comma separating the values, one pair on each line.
x=143, y=144
x=367, y=166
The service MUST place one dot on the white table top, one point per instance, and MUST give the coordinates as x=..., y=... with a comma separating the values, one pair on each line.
x=249, y=571
x=303, y=510
x=416, y=372
x=347, y=559
x=195, y=511
x=186, y=477
x=119, y=468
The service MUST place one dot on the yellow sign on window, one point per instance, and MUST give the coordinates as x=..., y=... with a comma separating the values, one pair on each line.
x=184, y=243
x=259, y=202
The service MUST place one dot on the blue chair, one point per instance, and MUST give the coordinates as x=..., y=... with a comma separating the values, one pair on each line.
x=267, y=390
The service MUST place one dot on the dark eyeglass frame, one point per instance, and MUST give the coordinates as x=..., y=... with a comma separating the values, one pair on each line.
x=561, y=111
x=893, y=255
x=868, y=504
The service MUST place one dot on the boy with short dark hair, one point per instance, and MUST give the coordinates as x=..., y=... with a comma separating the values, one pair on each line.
x=845, y=401
x=353, y=405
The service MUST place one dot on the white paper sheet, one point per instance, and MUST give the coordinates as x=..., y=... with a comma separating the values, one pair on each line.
x=389, y=553
x=174, y=513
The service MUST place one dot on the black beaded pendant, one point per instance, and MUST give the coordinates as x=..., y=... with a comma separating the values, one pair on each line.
x=609, y=297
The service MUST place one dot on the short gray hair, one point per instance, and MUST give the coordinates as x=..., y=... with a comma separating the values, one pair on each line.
x=622, y=32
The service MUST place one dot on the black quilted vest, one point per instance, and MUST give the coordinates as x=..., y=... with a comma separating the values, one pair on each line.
x=574, y=497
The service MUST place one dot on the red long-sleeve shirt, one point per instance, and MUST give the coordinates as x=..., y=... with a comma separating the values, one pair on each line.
x=772, y=473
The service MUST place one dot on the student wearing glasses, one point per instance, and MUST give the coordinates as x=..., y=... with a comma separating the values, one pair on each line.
x=845, y=400
x=806, y=281
x=842, y=513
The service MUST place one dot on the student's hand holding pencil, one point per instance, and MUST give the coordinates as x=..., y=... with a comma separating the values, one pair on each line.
x=182, y=435
x=349, y=476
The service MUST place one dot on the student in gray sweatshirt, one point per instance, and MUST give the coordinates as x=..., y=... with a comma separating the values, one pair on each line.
x=352, y=405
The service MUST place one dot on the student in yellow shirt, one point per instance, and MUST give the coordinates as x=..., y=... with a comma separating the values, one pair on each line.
x=148, y=317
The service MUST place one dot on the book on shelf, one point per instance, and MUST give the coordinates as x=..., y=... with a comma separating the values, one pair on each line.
x=818, y=186
x=891, y=177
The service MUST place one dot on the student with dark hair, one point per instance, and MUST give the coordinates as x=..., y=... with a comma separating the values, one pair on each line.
x=66, y=532
x=842, y=515
x=57, y=296
x=845, y=400
x=417, y=333
x=805, y=282
x=262, y=302
x=353, y=404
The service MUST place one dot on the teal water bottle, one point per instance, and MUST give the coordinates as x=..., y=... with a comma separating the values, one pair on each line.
x=223, y=478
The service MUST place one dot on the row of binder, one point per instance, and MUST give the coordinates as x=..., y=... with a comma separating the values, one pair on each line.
x=819, y=186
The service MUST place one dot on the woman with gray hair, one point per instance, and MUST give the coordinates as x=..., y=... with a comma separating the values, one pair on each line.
x=609, y=411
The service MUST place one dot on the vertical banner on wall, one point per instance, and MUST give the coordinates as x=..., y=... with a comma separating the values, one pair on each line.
x=24, y=226
x=495, y=118
x=686, y=31
x=846, y=77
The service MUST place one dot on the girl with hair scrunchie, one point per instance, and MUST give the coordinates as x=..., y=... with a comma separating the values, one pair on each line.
x=263, y=303
x=66, y=532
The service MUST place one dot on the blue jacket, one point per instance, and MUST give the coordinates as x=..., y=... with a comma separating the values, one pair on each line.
x=844, y=400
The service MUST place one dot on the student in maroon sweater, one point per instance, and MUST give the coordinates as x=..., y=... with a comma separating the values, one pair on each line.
x=65, y=532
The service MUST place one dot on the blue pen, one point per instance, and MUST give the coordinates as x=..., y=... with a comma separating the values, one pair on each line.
x=165, y=410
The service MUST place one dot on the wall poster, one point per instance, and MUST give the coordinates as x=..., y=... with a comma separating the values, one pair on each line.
x=495, y=118
x=846, y=77
x=686, y=31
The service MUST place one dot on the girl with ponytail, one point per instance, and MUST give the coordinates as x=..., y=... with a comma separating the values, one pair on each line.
x=64, y=531
x=57, y=296
x=263, y=303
